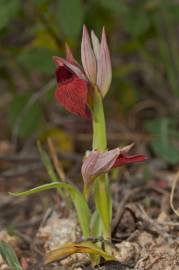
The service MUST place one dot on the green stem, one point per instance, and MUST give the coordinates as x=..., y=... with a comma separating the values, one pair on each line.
x=102, y=192
x=99, y=125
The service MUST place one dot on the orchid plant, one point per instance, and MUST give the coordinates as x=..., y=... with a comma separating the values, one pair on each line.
x=80, y=90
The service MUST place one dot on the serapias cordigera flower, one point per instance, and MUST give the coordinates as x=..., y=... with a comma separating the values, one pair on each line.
x=74, y=83
x=98, y=163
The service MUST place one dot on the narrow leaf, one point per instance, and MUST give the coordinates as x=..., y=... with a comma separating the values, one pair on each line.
x=47, y=162
x=78, y=199
x=96, y=225
x=71, y=248
x=70, y=17
x=9, y=256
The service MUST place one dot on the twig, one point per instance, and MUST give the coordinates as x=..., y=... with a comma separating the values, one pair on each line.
x=176, y=178
x=120, y=211
x=169, y=223
x=154, y=262
x=156, y=226
x=145, y=222
x=131, y=195
x=57, y=164
x=140, y=261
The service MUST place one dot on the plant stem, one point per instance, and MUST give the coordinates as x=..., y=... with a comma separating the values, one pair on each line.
x=99, y=125
x=102, y=193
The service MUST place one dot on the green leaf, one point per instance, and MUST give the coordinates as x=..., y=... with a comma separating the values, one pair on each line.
x=96, y=225
x=38, y=59
x=27, y=122
x=49, y=167
x=9, y=256
x=40, y=2
x=166, y=151
x=78, y=199
x=163, y=145
x=8, y=11
x=70, y=17
x=47, y=163
x=113, y=5
x=136, y=21
x=71, y=248
x=174, y=11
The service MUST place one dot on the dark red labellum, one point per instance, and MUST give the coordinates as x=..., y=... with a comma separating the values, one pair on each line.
x=72, y=92
x=122, y=160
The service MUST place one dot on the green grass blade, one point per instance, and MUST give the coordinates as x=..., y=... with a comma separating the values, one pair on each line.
x=77, y=197
x=47, y=163
x=96, y=225
x=9, y=256
x=49, y=167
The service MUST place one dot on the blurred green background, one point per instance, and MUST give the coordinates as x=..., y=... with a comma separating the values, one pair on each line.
x=143, y=103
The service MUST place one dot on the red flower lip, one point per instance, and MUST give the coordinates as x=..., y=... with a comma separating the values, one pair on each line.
x=72, y=85
x=124, y=160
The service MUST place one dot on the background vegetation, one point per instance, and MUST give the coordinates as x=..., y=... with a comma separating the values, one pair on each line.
x=143, y=103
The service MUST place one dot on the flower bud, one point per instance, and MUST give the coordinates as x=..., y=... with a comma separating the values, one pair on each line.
x=88, y=57
x=96, y=44
x=104, y=70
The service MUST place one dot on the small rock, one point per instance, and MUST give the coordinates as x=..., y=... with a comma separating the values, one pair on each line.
x=126, y=252
x=59, y=231
x=145, y=239
x=4, y=267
